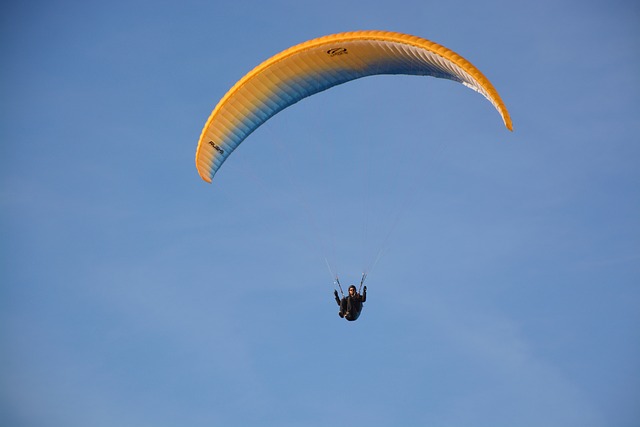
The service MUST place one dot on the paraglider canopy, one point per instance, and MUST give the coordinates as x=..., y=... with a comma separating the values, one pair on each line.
x=317, y=65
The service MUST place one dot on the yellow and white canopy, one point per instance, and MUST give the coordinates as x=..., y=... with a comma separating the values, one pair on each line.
x=317, y=65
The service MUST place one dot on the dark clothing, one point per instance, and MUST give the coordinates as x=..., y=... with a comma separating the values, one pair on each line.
x=351, y=306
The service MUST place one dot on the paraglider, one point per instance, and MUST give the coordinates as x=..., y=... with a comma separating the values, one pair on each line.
x=317, y=65
x=351, y=305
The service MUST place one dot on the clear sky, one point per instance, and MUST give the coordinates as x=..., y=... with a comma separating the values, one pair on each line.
x=134, y=294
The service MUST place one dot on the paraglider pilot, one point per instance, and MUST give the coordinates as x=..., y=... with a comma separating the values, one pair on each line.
x=351, y=305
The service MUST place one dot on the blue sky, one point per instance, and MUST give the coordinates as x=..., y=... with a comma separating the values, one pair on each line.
x=134, y=294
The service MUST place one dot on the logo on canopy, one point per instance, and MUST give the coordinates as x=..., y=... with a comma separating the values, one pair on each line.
x=218, y=149
x=337, y=51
